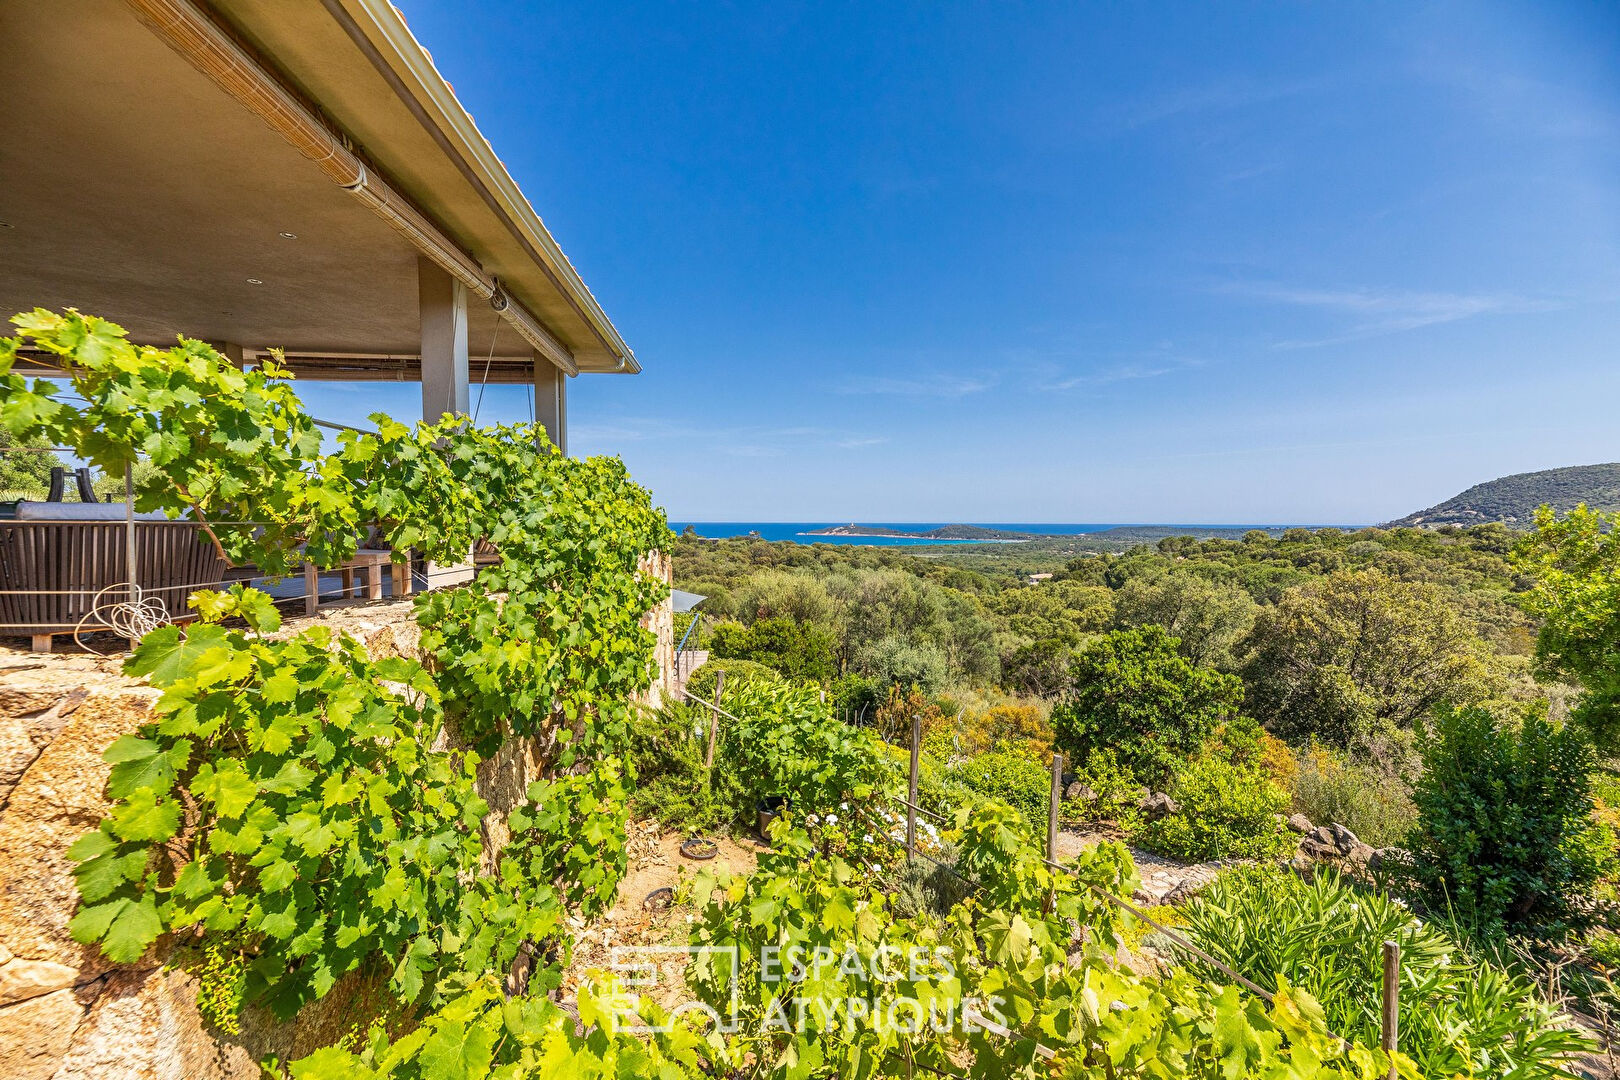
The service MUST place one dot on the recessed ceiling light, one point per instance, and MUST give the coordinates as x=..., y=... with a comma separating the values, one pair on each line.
x=289, y=236
x=254, y=281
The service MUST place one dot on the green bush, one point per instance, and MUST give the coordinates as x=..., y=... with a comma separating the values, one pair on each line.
x=1505, y=833
x=797, y=650
x=1329, y=787
x=1458, y=1018
x=1015, y=779
x=1136, y=695
x=1223, y=811
x=1116, y=792
x=701, y=684
x=665, y=758
x=785, y=741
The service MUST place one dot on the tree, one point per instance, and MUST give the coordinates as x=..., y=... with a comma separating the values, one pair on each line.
x=1575, y=562
x=1136, y=695
x=1505, y=831
x=25, y=466
x=1349, y=655
x=796, y=650
x=1041, y=668
x=1208, y=617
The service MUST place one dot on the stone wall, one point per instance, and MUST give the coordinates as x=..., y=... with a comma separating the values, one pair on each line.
x=65, y=1013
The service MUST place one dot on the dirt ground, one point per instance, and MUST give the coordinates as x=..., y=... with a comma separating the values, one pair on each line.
x=656, y=862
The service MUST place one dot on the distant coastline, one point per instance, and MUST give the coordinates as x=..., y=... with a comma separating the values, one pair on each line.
x=970, y=533
x=925, y=534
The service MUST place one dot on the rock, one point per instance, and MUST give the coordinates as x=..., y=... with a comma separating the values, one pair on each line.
x=1319, y=844
x=145, y=1024
x=1343, y=838
x=35, y=1034
x=1184, y=892
x=1157, y=805
x=1079, y=792
x=1299, y=823
x=1361, y=854
x=1303, y=865
x=24, y=979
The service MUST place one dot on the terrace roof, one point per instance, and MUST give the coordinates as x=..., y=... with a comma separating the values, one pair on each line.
x=267, y=173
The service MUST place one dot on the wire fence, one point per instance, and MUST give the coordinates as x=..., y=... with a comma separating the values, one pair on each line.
x=1390, y=988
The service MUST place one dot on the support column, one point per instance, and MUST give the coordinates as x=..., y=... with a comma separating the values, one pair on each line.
x=551, y=402
x=443, y=307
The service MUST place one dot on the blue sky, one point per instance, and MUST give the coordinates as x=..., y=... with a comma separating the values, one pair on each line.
x=1065, y=262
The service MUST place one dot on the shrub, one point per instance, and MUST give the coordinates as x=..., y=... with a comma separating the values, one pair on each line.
x=665, y=756
x=1013, y=727
x=702, y=682
x=787, y=742
x=1224, y=811
x=1015, y=779
x=1505, y=833
x=1458, y=1018
x=1371, y=802
x=900, y=662
x=1116, y=793
x=1135, y=695
x=797, y=650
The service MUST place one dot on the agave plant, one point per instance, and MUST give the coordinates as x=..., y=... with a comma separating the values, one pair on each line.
x=1458, y=1017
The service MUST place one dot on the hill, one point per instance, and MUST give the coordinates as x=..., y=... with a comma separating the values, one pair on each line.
x=1512, y=500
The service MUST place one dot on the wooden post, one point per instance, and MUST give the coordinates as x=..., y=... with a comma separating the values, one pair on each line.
x=1052, y=826
x=312, y=589
x=1392, y=1002
x=911, y=789
x=714, y=717
x=402, y=572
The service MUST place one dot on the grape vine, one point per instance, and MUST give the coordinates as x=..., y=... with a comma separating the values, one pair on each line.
x=317, y=811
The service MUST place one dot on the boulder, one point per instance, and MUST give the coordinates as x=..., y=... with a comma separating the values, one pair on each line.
x=1343, y=838
x=1299, y=823
x=1157, y=805
x=1079, y=792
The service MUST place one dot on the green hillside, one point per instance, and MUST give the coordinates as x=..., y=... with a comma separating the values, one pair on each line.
x=1513, y=499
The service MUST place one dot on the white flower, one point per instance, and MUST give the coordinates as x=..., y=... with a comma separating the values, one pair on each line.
x=832, y=819
x=810, y=819
x=867, y=839
x=843, y=806
x=1397, y=901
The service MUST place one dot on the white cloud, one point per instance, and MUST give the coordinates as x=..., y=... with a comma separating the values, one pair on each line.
x=933, y=384
x=1382, y=312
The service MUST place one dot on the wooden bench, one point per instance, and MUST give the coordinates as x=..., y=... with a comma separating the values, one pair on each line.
x=371, y=563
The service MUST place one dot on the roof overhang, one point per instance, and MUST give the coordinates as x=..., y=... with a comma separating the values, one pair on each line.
x=266, y=173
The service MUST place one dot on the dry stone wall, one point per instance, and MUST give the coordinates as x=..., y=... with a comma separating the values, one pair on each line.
x=65, y=1013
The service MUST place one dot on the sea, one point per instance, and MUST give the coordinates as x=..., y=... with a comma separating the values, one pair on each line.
x=798, y=531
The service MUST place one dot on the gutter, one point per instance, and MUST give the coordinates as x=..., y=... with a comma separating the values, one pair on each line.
x=196, y=37
x=508, y=204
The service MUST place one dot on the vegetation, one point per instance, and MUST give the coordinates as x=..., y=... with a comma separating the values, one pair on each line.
x=1135, y=696
x=1505, y=832
x=1358, y=654
x=1459, y=1017
x=1576, y=564
x=1370, y=798
x=1225, y=810
x=311, y=812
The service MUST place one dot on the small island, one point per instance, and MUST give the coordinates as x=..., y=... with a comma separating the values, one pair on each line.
x=944, y=532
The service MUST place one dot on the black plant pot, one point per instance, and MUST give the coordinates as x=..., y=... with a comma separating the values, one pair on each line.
x=768, y=808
